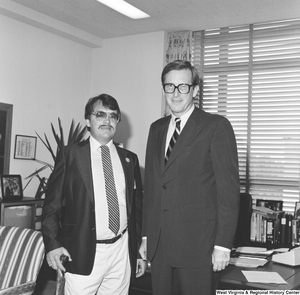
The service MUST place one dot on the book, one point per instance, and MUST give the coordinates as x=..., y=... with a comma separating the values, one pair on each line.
x=283, y=229
x=289, y=218
x=277, y=227
x=270, y=236
x=295, y=231
x=253, y=227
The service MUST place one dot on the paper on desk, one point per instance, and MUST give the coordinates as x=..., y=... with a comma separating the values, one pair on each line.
x=247, y=262
x=283, y=250
x=250, y=249
x=263, y=277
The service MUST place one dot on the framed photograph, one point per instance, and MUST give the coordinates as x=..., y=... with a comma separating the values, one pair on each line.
x=11, y=187
x=25, y=147
x=297, y=210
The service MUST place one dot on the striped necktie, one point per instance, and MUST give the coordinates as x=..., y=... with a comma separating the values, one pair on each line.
x=173, y=139
x=111, y=192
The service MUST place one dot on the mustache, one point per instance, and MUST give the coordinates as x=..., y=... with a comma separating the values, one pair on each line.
x=105, y=125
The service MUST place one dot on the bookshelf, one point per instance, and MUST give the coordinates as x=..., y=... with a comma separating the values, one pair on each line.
x=272, y=227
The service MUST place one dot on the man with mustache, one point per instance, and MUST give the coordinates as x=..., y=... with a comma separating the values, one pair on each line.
x=93, y=213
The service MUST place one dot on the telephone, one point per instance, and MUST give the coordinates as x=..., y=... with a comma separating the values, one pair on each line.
x=291, y=257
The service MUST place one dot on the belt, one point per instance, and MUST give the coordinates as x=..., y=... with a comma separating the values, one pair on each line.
x=113, y=240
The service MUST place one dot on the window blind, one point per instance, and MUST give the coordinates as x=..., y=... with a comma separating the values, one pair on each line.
x=251, y=75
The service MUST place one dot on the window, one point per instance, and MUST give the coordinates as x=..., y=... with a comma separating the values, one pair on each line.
x=251, y=75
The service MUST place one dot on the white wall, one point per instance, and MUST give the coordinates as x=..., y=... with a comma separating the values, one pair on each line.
x=129, y=68
x=45, y=76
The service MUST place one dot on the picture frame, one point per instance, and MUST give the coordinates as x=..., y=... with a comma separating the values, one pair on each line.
x=11, y=187
x=25, y=147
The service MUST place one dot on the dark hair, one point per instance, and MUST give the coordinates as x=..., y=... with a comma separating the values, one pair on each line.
x=178, y=65
x=107, y=101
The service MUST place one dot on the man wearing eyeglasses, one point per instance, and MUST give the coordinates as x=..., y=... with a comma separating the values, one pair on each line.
x=191, y=201
x=93, y=208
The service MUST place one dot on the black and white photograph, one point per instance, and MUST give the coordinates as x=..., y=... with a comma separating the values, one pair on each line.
x=11, y=187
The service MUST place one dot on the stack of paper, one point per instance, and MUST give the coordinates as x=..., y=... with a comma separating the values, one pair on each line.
x=250, y=257
x=266, y=277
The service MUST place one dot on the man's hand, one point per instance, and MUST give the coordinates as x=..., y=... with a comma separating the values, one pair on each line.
x=53, y=258
x=220, y=259
x=141, y=266
x=143, y=249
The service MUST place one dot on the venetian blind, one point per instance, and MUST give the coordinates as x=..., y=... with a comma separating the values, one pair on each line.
x=251, y=75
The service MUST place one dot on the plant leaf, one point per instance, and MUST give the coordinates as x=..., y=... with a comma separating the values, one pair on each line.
x=81, y=134
x=57, y=139
x=47, y=145
x=44, y=163
x=75, y=135
x=62, y=141
x=71, y=133
x=50, y=148
x=37, y=171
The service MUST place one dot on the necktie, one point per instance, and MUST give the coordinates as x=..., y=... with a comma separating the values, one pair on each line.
x=173, y=139
x=111, y=192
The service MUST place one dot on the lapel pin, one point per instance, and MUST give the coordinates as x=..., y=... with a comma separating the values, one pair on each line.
x=127, y=160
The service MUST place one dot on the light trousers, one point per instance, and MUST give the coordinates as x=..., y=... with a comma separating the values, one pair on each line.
x=110, y=274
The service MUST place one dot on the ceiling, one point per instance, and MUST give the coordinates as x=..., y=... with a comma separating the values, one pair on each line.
x=166, y=15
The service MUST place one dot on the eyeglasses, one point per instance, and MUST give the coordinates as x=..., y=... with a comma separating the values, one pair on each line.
x=182, y=88
x=103, y=116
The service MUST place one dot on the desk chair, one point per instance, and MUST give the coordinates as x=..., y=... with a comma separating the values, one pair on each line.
x=242, y=235
x=21, y=256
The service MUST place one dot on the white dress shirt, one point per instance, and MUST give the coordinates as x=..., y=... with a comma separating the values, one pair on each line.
x=172, y=125
x=101, y=207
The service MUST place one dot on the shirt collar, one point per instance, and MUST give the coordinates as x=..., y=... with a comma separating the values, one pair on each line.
x=184, y=117
x=95, y=144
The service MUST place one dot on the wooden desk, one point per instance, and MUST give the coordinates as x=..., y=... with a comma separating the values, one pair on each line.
x=233, y=279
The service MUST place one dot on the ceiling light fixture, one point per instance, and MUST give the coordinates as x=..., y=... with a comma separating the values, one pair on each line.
x=125, y=8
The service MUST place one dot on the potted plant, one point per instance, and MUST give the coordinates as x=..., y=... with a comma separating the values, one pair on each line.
x=76, y=134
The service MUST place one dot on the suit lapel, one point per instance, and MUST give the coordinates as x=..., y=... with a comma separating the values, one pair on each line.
x=83, y=157
x=128, y=169
x=191, y=129
x=161, y=143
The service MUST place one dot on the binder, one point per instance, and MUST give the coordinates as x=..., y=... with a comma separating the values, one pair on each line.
x=282, y=229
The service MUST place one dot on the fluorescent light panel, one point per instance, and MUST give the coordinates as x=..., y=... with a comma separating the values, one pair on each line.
x=125, y=8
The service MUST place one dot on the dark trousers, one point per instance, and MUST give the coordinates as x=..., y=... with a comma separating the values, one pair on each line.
x=168, y=280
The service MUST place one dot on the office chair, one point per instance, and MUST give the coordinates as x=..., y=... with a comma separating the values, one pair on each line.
x=242, y=234
x=21, y=256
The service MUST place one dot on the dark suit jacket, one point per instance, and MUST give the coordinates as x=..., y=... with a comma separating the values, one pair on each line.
x=70, y=186
x=193, y=200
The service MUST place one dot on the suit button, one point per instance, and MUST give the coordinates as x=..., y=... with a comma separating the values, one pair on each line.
x=164, y=187
x=93, y=228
